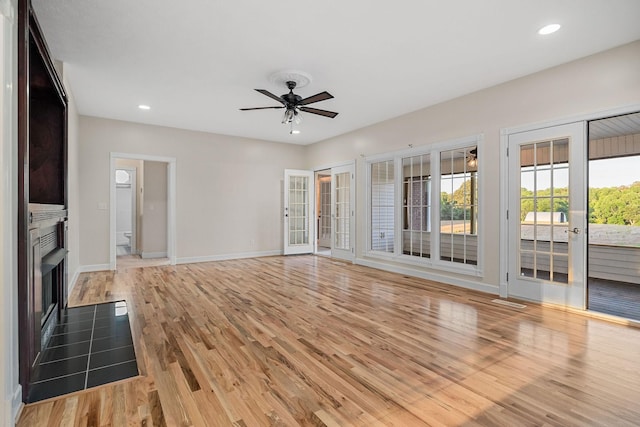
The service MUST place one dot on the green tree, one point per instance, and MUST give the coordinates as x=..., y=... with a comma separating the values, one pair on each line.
x=560, y=201
x=615, y=205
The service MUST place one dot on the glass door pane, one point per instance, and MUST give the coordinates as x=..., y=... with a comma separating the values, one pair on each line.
x=342, y=191
x=323, y=182
x=298, y=208
x=544, y=210
x=343, y=211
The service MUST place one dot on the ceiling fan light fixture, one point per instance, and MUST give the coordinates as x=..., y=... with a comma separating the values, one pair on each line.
x=472, y=158
x=288, y=116
x=293, y=104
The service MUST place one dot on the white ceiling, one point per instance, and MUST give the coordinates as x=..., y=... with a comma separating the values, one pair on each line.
x=196, y=62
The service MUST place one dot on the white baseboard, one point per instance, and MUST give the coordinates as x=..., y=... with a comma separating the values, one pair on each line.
x=192, y=260
x=16, y=404
x=409, y=271
x=185, y=260
x=73, y=281
x=147, y=255
x=92, y=268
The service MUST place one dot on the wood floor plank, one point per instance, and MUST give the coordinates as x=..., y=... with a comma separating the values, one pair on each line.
x=311, y=341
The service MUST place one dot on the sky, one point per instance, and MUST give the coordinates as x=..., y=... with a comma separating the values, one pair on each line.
x=614, y=172
x=602, y=173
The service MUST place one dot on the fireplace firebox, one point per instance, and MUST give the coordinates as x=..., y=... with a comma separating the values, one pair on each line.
x=52, y=269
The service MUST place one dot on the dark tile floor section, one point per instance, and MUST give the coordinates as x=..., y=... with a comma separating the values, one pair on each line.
x=91, y=346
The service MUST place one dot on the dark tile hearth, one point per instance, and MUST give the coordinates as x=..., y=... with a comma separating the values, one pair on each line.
x=91, y=346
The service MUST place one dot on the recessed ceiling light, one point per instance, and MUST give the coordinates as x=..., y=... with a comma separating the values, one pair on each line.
x=548, y=29
x=144, y=107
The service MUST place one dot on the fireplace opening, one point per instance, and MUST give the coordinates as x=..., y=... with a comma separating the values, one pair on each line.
x=52, y=278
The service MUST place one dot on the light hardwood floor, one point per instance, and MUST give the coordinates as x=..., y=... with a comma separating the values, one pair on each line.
x=307, y=340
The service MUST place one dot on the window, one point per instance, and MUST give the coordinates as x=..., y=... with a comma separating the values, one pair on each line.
x=424, y=208
x=382, y=206
x=458, y=206
x=416, y=207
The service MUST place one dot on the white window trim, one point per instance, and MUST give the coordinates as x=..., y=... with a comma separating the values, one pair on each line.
x=434, y=151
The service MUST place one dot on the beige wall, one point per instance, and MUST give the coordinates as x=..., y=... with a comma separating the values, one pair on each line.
x=154, y=217
x=604, y=81
x=73, y=187
x=228, y=189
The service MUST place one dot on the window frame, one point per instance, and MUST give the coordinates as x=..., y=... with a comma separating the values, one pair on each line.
x=434, y=151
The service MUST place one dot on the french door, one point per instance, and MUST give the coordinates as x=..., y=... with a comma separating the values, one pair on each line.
x=342, y=212
x=298, y=212
x=547, y=215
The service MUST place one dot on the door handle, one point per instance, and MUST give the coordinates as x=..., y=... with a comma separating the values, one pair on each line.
x=574, y=230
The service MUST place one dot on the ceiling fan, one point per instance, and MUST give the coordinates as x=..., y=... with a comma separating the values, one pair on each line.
x=294, y=104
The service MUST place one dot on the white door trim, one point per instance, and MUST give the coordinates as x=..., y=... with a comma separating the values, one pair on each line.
x=171, y=202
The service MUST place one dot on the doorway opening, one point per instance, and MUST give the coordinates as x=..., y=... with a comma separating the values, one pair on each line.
x=142, y=215
x=126, y=211
x=323, y=212
x=613, y=285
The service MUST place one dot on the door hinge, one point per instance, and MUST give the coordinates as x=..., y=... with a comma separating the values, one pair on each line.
x=507, y=151
x=507, y=277
x=507, y=214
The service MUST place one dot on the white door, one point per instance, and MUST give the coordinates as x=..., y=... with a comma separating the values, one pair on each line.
x=298, y=212
x=342, y=212
x=324, y=211
x=547, y=215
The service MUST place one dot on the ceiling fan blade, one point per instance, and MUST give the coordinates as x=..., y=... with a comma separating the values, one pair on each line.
x=316, y=98
x=270, y=95
x=319, y=112
x=260, y=108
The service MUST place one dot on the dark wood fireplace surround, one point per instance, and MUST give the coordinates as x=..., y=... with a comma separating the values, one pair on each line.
x=42, y=193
